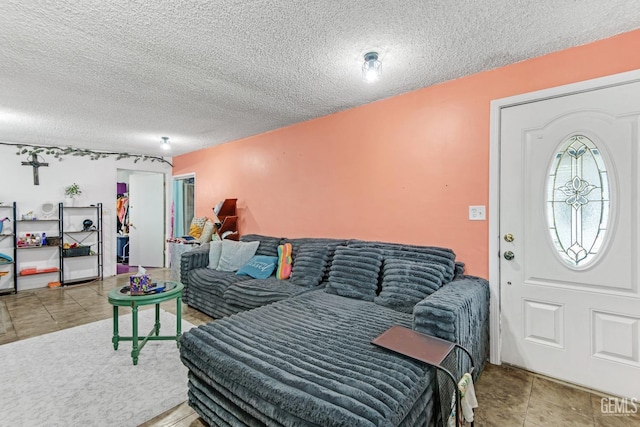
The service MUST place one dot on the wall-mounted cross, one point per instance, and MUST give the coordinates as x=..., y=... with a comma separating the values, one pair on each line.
x=36, y=164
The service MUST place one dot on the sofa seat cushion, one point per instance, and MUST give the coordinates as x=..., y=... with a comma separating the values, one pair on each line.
x=258, y=292
x=213, y=282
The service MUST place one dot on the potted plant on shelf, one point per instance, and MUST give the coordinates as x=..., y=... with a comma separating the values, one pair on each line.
x=70, y=194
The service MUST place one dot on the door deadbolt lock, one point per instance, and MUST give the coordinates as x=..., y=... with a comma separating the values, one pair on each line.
x=508, y=237
x=508, y=255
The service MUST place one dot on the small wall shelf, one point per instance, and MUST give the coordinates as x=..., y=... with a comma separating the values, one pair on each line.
x=228, y=228
x=39, y=272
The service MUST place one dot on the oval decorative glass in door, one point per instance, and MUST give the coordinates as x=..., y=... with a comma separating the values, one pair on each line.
x=578, y=201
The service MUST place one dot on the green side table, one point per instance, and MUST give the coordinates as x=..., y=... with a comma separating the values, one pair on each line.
x=118, y=297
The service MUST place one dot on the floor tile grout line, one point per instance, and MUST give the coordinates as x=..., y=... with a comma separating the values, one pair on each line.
x=526, y=412
x=12, y=324
x=178, y=421
x=14, y=320
x=590, y=415
x=45, y=307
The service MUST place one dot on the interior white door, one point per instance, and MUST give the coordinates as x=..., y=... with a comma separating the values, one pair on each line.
x=146, y=216
x=570, y=303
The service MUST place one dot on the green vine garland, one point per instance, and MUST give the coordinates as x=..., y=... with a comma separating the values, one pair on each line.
x=59, y=152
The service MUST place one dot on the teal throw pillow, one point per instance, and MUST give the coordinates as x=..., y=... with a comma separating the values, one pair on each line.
x=259, y=267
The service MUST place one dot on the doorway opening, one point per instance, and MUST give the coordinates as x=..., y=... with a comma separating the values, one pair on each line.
x=140, y=220
x=183, y=204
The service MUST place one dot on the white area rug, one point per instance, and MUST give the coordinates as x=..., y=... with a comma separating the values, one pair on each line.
x=75, y=378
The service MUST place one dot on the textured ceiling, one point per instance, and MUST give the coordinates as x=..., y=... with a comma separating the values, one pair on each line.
x=118, y=74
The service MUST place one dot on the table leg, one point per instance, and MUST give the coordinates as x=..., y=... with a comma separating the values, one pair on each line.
x=116, y=337
x=135, y=351
x=157, y=319
x=178, y=320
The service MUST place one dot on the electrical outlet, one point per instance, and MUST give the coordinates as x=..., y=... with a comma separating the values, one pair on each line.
x=477, y=213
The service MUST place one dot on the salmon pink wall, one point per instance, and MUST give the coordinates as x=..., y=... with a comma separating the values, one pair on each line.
x=404, y=169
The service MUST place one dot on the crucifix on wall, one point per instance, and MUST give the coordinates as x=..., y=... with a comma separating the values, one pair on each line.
x=35, y=164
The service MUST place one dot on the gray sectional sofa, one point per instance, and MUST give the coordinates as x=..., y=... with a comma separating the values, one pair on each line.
x=222, y=293
x=299, y=352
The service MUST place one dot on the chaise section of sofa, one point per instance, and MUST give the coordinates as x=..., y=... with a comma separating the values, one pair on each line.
x=308, y=359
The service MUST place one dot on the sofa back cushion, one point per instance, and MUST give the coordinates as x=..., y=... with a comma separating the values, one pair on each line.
x=298, y=243
x=354, y=272
x=406, y=283
x=443, y=256
x=309, y=264
x=268, y=244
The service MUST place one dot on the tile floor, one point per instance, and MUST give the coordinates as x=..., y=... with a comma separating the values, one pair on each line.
x=507, y=396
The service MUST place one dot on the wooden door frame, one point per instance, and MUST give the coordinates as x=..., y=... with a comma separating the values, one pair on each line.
x=494, y=181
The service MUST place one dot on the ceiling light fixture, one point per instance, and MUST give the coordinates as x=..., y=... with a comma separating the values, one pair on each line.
x=372, y=68
x=165, y=143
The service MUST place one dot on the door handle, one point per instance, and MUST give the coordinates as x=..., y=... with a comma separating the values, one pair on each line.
x=508, y=255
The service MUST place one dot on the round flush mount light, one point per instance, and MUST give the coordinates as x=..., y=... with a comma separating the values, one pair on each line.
x=165, y=143
x=372, y=67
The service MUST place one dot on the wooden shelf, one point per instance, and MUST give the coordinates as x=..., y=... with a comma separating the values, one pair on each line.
x=228, y=225
x=38, y=272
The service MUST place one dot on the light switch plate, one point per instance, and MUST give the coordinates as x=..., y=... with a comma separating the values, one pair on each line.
x=477, y=213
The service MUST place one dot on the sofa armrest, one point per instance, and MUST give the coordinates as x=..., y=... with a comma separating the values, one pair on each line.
x=197, y=258
x=458, y=312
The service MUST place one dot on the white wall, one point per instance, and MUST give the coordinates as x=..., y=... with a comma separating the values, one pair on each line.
x=96, y=178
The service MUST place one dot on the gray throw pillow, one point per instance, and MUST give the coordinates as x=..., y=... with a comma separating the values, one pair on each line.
x=406, y=283
x=236, y=254
x=354, y=272
x=309, y=264
x=215, y=250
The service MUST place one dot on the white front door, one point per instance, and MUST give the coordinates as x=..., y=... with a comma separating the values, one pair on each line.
x=146, y=216
x=570, y=301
